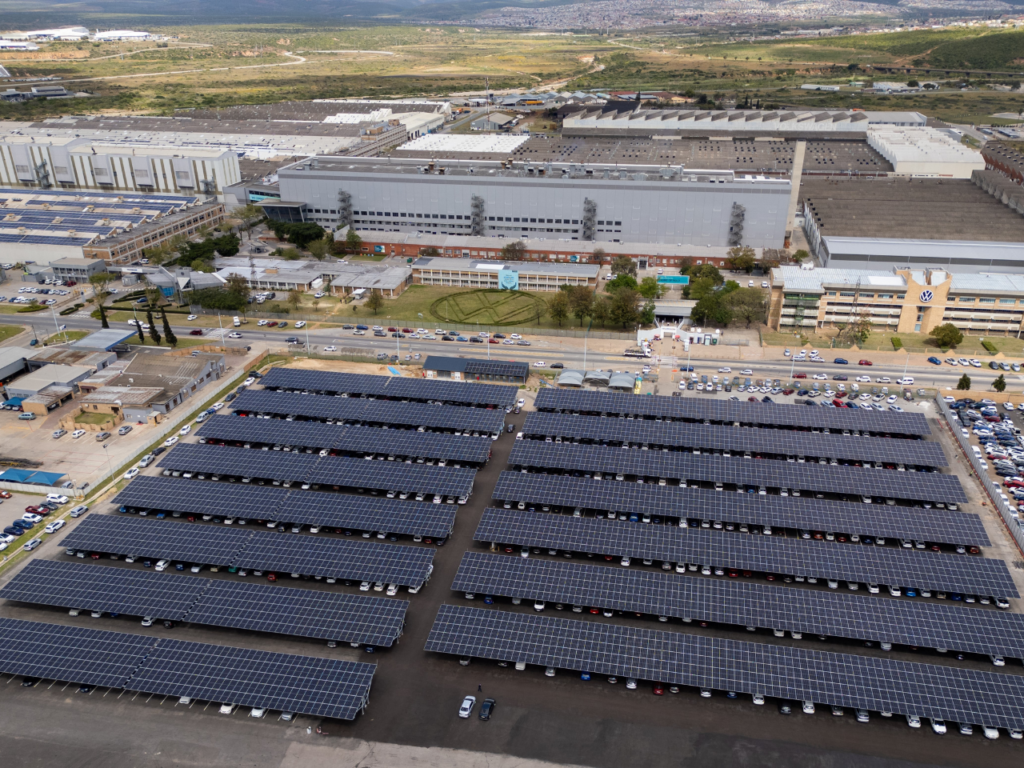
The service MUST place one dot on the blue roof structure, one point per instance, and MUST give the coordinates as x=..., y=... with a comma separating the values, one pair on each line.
x=31, y=477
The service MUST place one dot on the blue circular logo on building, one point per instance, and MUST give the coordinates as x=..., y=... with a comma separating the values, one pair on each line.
x=927, y=296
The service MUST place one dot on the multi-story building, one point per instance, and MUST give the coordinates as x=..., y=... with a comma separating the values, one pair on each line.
x=900, y=300
x=129, y=245
x=511, y=275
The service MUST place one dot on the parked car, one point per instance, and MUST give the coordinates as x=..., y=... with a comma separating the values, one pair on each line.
x=102, y=436
x=124, y=430
x=467, y=706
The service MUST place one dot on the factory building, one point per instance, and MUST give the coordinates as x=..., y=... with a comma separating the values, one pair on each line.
x=924, y=152
x=702, y=122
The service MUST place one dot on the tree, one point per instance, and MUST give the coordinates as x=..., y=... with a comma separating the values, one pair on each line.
x=625, y=307
x=430, y=252
x=581, y=301
x=319, y=249
x=99, y=283
x=103, y=316
x=598, y=256
x=558, y=307
x=299, y=234
x=248, y=215
x=999, y=385
x=801, y=255
x=964, y=383
x=375, y=302
x=915, y=84
x=856, y=331
x=747, y=304
x=353, y=242
x=947, y=335
x=742, y=259
x=514, y=251
x=706, y=271
x=168, y=333
x=294, y=298
x=201, y=265
x=710, y=310
x=601, y=310
x=154, y=334
x=621, y=281
x=685, y=265
x=623, y=265
x=700, y=288
x=649, y=288
x=316, y=303
x=647, y=313
x=238, y=286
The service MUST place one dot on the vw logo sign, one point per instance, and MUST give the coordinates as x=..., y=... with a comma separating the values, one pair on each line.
x=927, y=296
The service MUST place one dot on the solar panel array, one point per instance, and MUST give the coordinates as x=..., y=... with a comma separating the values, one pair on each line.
x=248, y=678
x=362, y=513
x=796, y=674
x=744, y=604
x=217, y=673
x=707, y=437
x=729, y=411
x=677, y=465
x=258, y=607
x=330, y=382
x=337, y=471
x=321, y=407
x=767, y=554
x=359, y=440
x=258, y=550
x=932, y=525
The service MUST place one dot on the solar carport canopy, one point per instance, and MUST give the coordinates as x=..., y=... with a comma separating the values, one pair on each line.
x=216, y=673
x=712, y=437
x=679, y=465
x=766, y=554
x=570, y=379
x=624, y=381
x=339, y=471
x=743, y=603
x=248, y=502
x=359, y=440
x=314, y=613
x=372, y=412
x=258, y=550
x=678, y=658
x=597, y=378
x=334, y=383
x=938, y=526
x=728, y=411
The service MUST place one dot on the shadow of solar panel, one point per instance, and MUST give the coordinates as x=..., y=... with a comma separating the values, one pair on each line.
x=768, y=554
x=70, y=654
x=691, y=408
x=673, y=502
x=372, y=411
x=316, y=437
x=745, y=604
x=300, y=684
x=756, y=440
x=844, y=680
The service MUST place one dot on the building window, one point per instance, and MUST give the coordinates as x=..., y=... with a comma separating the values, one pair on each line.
x=1007, y=301
x=885, y=295
x=986, y=301
x=966, y=299
x=867, y=295
x=847, y=293
x=831, y=293
x=901, y=295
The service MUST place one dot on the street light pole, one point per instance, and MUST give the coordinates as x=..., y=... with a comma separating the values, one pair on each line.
x=109, y=464
x=55, y=325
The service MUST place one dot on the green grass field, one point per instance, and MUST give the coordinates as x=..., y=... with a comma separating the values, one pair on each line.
x=489, y=307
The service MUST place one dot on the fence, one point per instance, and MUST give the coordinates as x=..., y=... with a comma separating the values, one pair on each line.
x=991, y=488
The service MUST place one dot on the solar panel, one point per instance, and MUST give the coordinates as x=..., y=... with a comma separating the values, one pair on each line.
x=253, y=549
x=315, y=436
x=70, y=654
x=712, y=437
x=679, y=465
x=313, y=613
x=744, y=604
x=729, y=411
x=673, y=503
x=359, y=513
x=334, y=383
x=765, y=554
x=352, y=410
x=678, y=658
x=309, y=468
x=285, y=682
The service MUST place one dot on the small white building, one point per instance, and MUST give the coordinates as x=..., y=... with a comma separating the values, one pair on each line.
x=924, y=152
x=494, y=121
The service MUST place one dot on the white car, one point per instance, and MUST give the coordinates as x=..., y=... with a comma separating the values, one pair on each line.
x=192, y=317
x=746, y=372
x=300, y=324
x=863, y=379
x=975, y=363
x=170, y=441
x=891, y=399
x=319, y=295
x=234, y=335
x=185, y=430
x=331, y=348
x=515, y=336
x=520, y=403
x=905, y=380
x=57, y=498
x=467, y=706
x=540, y=364
x=820, y=377
x=77, y=434
x=131, y=473
x=217, y=406
x=261, y=323
x=724, y=370
x=883, y=380
x=249, y=382
x=55, y=526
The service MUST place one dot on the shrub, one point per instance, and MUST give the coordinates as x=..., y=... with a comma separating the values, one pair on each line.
x=989, y=346
x=70, y=310
x=31, y=308
x=897, y=343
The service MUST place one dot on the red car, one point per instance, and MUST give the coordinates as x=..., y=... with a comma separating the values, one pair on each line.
x=5, y=494
x=392, y=329
x=493, y=341
x=864, y=362
x=799, y=375
x=659, y=689
x=196, y=332
x=1014, y=484
x=37, y=510
x=838, y=403
x=408, y=330
x=272, y=324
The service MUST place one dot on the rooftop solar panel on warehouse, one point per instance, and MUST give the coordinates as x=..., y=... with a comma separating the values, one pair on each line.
x=339, y=471
x=780, y=442
x=371, y=411
x=680, y=465
x=939, y=526
x=157, y=539
x=70, y=654
x=728, y=411
x=767, y=554
x=316, y=437
x=319, y=614
x=795, y=674
x=111, y=590
x=406, y=566
x=252, y=502
x=744, y=603
x=330, y=382
x=248, y=678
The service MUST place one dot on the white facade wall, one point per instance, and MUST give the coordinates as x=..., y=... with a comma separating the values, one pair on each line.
x=700, y=122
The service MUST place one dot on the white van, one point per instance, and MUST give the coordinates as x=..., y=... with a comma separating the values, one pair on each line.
x=237, y=321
